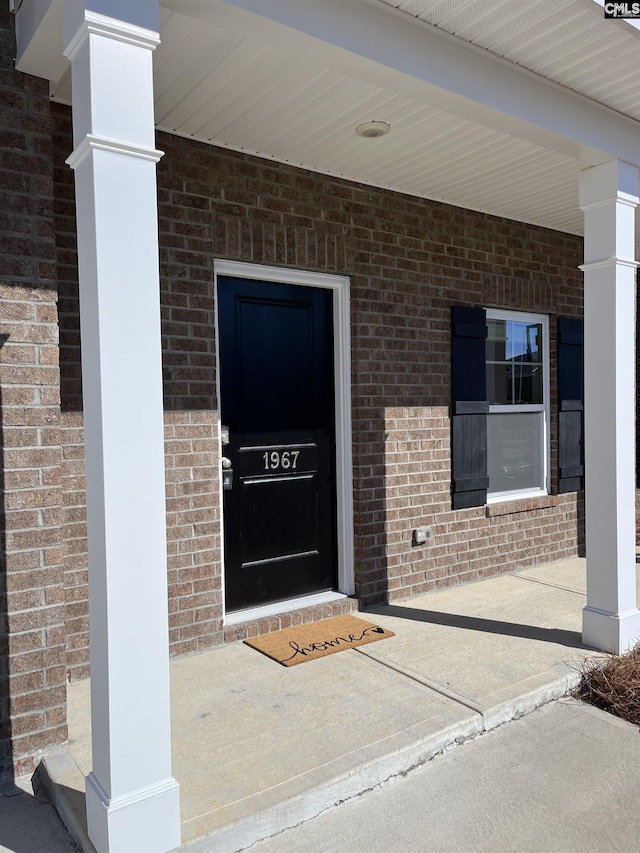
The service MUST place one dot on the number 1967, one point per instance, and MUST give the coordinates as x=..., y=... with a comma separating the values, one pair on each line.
x=276, y=460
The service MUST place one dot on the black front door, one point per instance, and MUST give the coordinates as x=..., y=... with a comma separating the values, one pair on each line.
x=277, y=404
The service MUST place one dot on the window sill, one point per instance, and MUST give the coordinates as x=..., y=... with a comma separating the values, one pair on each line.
x=521, y=505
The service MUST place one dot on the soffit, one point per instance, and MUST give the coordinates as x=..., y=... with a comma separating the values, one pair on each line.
x=262, y=91
x=567, y=41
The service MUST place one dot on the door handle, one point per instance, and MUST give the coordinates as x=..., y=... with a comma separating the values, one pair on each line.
x=227, y=474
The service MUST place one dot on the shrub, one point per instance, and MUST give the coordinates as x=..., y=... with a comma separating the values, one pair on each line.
x=613, y=684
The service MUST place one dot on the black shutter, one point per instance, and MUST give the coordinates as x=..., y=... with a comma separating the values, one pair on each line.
x=469, y=480
x=570, y=404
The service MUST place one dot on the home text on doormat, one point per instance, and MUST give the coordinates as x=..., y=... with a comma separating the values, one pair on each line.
x=317, y=639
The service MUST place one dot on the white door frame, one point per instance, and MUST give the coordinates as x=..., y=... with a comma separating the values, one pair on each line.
x=339, y=285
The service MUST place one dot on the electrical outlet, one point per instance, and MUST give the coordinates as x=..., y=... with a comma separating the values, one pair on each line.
x=421, y=535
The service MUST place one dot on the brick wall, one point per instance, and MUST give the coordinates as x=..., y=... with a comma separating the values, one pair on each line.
x=466, y=544
x=32, y=633
x=188, y=344
x=409, y=260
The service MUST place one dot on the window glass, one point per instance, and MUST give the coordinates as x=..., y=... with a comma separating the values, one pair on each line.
x=515, y=450
x=515, y=361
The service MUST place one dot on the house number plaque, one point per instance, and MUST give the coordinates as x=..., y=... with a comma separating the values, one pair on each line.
x=277, y=459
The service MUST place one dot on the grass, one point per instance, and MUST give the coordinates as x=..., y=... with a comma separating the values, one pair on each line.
x=613, y=684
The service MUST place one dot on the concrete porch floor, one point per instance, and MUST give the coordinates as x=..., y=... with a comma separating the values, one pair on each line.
x=258, y=747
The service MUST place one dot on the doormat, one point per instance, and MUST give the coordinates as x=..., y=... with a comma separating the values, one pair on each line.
x=317, y=639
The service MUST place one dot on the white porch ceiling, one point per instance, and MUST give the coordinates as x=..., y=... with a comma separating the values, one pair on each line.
x=227, y=76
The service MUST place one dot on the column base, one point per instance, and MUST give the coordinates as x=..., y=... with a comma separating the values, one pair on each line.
x=610, y=632
x=147, y=821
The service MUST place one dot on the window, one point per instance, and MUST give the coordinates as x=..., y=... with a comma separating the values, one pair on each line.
x=517, y=370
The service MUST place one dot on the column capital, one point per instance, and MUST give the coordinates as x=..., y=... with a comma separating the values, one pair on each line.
x=615, y=181
x=112, y=71
x=97, y=24
x=136, y=23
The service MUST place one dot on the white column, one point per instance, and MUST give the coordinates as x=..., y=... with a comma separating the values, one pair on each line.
x=132, y=799
x=608, y=197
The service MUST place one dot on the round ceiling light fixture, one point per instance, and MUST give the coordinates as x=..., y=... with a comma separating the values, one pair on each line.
x=373, y=129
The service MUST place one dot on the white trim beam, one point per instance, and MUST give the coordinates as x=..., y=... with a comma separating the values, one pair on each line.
x=132, y=799
x=608, y=197
x=39, y=39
